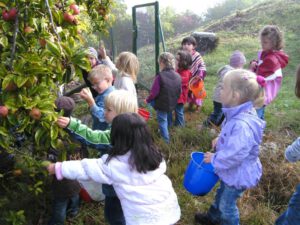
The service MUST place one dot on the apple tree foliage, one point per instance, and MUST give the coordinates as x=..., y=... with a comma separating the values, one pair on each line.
x=41, y=48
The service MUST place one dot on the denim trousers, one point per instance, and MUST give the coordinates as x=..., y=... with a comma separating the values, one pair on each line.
x=224, y=210
x=261, y=112
x=113, y=211
x=179, y=116
x=163, y=122
x=217, y=116
x=292, y=215
x=62, y=207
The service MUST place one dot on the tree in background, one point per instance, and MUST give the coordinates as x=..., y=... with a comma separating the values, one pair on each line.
x=173, y=24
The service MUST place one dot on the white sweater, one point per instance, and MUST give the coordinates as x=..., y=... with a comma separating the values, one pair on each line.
x=124, y=81
x=146, y=199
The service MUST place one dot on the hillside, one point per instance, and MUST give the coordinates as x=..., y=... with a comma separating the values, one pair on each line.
x=239, y=31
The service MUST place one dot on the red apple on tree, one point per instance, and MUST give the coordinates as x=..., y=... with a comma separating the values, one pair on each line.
x=42, y=42
x=12, y=13
x=3, y=111
x=68, y=17
x=75, y=9
x=5, y=15
x=35, y=113
x=28, y=29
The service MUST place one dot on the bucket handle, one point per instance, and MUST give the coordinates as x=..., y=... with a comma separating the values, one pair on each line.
x=192, y=79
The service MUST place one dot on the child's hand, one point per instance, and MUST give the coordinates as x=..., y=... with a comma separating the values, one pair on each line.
x=253, y=65
x=214, y=142
x=208, y=156
x=51, y=168
x=86, y=94
x=102, y=52
x=63, y=122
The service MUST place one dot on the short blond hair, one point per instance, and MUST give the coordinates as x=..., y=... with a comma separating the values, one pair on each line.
x=101, y=71
x=168, y=59
x=244, y=82
x=127, y=62
x=274, y=34
x=121, y=101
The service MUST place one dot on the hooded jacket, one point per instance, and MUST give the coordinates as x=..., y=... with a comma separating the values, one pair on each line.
x=236, y=160
x=270, y=65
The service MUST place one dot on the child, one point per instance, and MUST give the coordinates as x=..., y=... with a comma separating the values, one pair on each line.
x=117, y=102
x=101, y=79
x=65, y=192
x=128, y=68
x=198, y=67
x=236, y=160
x=271, y=61
x=135, y=168
x=184, y=61
x=165, y=92
x=292, y=153
x=94, y=61
x=237, y=61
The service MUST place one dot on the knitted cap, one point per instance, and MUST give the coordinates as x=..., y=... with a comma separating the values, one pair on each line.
x=93, y=52
x=65, y=103
x=237, y=59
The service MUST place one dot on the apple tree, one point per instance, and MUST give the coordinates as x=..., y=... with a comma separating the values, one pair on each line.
x=41, y=48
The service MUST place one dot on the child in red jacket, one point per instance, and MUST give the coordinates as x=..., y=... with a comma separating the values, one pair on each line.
x=271, y=60
x=183, y=64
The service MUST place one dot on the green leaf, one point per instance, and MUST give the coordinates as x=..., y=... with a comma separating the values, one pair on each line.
x=2, y=5
x=54, y=49
x=7, y=80
x=20, y=81
x=38, y=134
x=3, y=131
x=54, y=132
x=3, y=41
x=11, y=102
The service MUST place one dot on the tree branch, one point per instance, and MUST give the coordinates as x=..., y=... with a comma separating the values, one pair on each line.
x=51, y=20
x=13, y=49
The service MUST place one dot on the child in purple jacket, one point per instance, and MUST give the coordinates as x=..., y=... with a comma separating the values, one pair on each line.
x=236, y=160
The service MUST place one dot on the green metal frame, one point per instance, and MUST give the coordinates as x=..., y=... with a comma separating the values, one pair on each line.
x=158, y=31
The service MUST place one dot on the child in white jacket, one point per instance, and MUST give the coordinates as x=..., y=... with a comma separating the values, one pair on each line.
x=135, y=168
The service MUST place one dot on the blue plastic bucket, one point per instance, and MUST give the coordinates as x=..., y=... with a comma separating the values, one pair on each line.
x=199, y=177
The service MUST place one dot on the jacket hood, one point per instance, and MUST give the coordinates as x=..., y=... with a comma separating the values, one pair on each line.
x=281, y=56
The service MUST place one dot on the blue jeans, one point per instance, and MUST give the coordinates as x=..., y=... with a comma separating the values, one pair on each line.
x=292, y=215
x=163, y=122
x=62, y=207
x=217, y=116
x=261, y=112
x=113, y=211
x=179, y=116
x=224, y=210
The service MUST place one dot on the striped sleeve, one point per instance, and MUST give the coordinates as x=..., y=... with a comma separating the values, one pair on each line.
x=198, y=66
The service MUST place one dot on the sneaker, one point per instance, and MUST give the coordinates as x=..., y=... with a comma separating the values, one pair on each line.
x=203, y=219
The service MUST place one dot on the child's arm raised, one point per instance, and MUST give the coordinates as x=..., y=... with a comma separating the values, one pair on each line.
x=292, y=152
x=86, y=94
x=94, y=138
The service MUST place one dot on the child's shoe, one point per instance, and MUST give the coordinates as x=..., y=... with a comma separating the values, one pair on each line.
x=203, y=219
